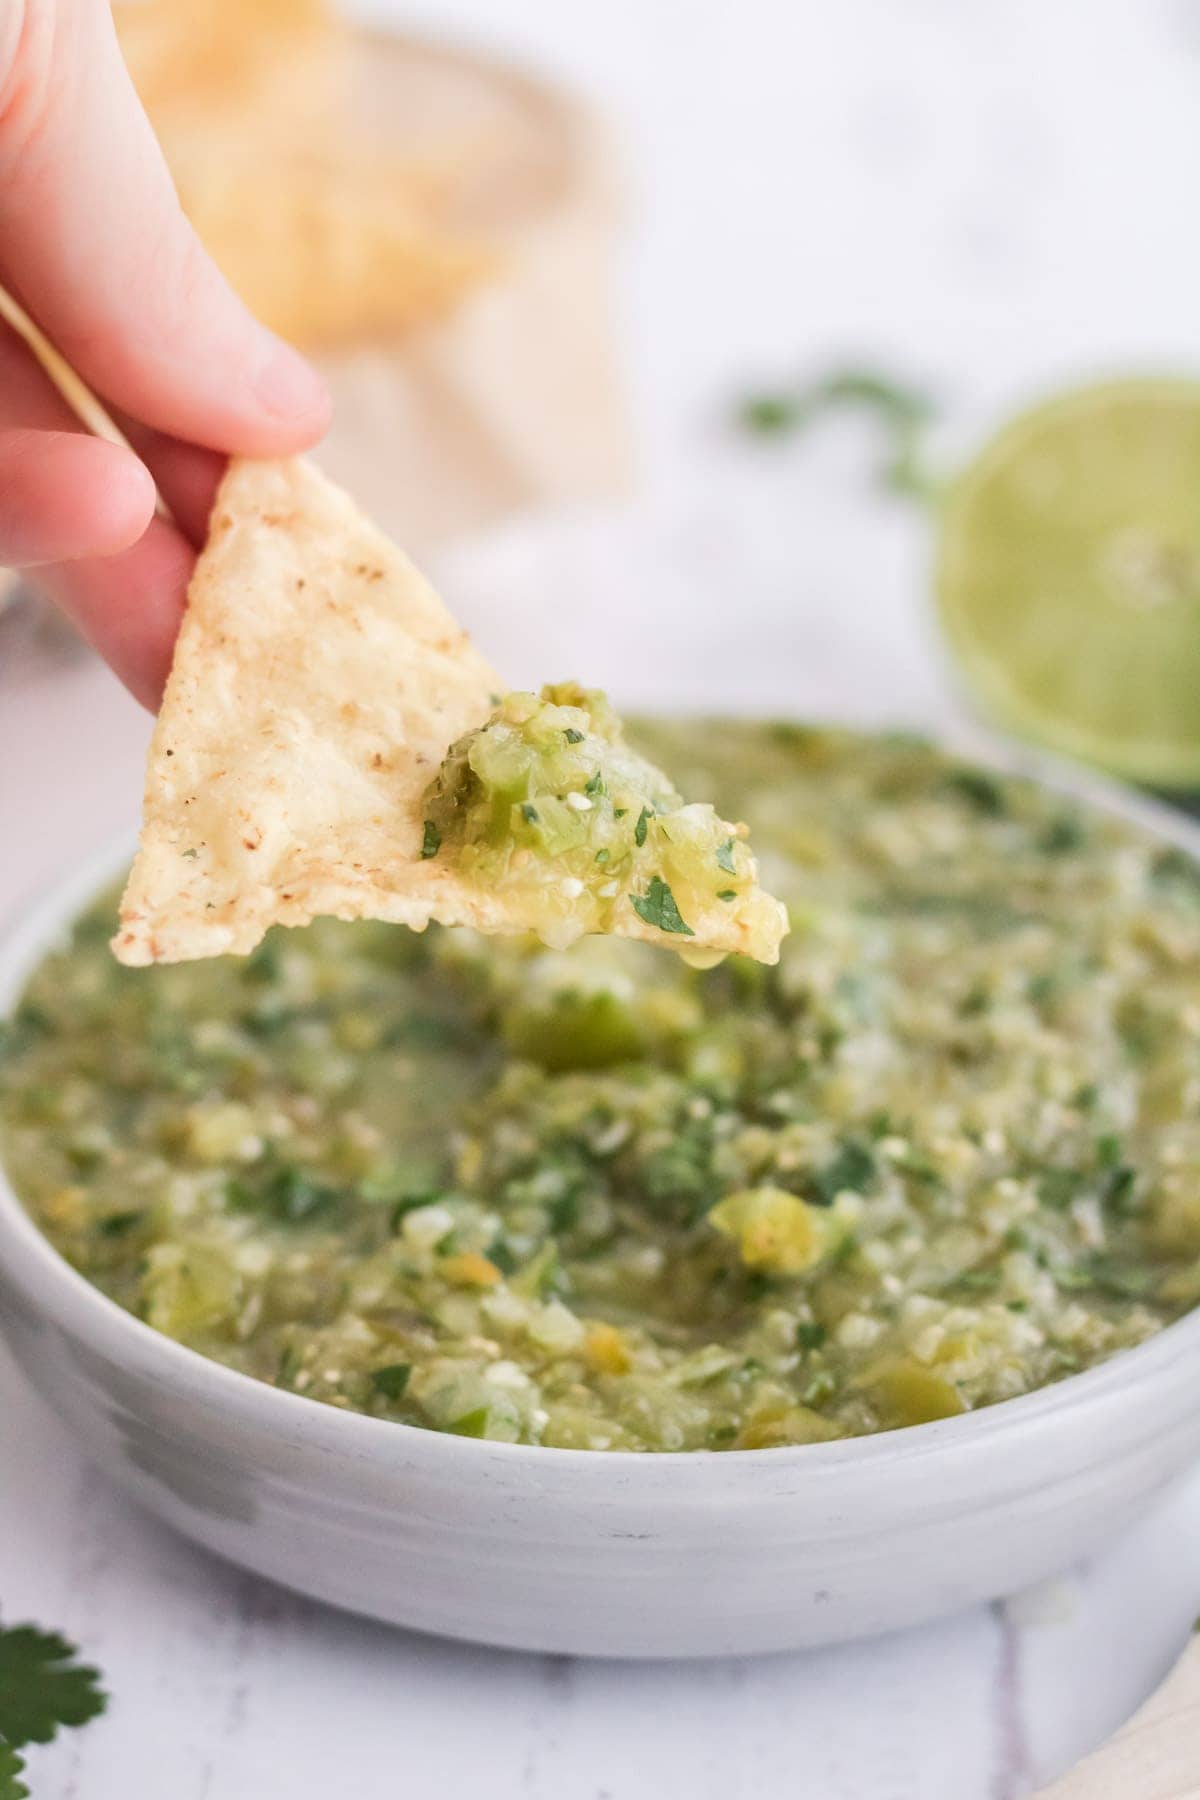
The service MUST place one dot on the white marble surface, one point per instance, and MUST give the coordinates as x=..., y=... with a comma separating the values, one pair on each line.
x=993, y=195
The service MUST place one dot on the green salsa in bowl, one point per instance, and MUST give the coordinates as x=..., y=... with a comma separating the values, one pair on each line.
x=945, y=1154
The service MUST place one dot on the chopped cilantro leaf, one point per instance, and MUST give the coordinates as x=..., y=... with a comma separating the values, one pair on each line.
x=431, y=843
x=810, y=1334
x=42, y=1686
x=725, y=857
x=1062, y=834
x=529, y=813
x=117, y=1224
x=391, y=1380
x=983, y=792
x=288, y=1195
x=727, y=894
x=572, y=736
x=851, y=1170
x=1118, y=1191
x=639, y=830
x=595, y=786
x=498, y=1252
x=657, y=907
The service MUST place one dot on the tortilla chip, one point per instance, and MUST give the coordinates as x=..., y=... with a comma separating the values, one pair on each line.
x=329, y=234
x=331, y=244
x=318, y=682
x=199, y=63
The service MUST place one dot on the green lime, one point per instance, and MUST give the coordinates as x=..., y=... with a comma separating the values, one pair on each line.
x=1068, y=577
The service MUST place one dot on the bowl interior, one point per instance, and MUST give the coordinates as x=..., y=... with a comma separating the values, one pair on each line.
x=69, y=1298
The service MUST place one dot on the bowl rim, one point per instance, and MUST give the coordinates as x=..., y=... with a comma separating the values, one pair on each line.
x=66, y=1297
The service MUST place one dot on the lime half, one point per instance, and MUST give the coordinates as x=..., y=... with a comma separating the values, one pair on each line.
x=1068, y=577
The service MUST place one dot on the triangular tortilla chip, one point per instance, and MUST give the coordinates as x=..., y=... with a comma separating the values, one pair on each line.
x=332, y=244
x=317, y=685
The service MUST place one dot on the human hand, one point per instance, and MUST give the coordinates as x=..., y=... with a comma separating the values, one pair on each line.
x=94, y=246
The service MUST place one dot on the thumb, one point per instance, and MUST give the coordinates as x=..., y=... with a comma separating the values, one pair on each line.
x=96, y=247
x=64, y=495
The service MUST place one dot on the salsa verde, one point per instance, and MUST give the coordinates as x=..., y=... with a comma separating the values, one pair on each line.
x=946, y=1152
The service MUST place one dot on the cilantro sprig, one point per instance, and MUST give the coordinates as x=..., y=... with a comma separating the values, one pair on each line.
x=43, y=1686
x=904, y=413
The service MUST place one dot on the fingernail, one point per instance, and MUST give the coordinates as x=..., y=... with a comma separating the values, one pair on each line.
x=287, y=385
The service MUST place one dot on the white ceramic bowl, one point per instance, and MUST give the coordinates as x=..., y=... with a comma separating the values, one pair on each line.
x=610, y=1554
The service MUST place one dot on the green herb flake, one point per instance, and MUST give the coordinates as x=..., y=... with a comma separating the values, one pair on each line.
x=43, y=1686
x=639, y=830
x=431, y=842
x=594, y=787
x=602, y=856
x=727, y=894
x=725, y=857
x=529, y=812
x=391, y=1380
x=119, y=1224
x=572, y=736
x=810, y=1334
x=657, y=907
x=851, y=1170
x=288, y=1196
x=981, y=790
x=1118, y=1192
x=1062, y=835
x=500, y=1252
